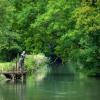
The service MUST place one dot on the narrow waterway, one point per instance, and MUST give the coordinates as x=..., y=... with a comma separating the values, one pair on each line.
x=52, y=87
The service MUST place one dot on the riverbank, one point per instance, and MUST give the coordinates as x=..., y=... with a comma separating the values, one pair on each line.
x=40, y=63
x=33, y=63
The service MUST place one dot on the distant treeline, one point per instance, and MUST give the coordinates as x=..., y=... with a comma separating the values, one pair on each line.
x=61, y=29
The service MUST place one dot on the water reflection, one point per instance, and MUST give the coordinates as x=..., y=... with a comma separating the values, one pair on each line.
x=13, y=90
x=52, y=87
x=69, y=88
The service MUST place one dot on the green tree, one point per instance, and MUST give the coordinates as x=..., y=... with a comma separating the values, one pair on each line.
x=9, y=39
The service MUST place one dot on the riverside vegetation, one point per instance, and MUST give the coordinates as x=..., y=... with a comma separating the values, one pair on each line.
x=31, y=62
x=63, y=30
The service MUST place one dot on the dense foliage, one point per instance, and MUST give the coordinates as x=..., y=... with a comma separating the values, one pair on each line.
x=61, y=29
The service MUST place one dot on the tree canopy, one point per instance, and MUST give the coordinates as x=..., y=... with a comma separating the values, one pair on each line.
x=64, y=29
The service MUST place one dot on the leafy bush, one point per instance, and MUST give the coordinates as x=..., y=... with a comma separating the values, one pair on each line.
x=35, y=61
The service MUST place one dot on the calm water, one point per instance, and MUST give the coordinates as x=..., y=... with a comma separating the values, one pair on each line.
x=52, y=87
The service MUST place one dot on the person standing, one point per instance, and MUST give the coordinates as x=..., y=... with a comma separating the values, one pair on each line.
x=21, y=61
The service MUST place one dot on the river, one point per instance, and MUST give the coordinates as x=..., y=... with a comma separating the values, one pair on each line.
x=52, y=87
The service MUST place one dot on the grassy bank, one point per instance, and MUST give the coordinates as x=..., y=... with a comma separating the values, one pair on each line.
x=36, y=64
x=6, y=66
x=33, y=61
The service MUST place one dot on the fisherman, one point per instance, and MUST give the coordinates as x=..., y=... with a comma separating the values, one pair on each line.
x=21, y=61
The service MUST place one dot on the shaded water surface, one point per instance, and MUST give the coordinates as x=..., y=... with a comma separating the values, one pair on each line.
x=53, y=87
